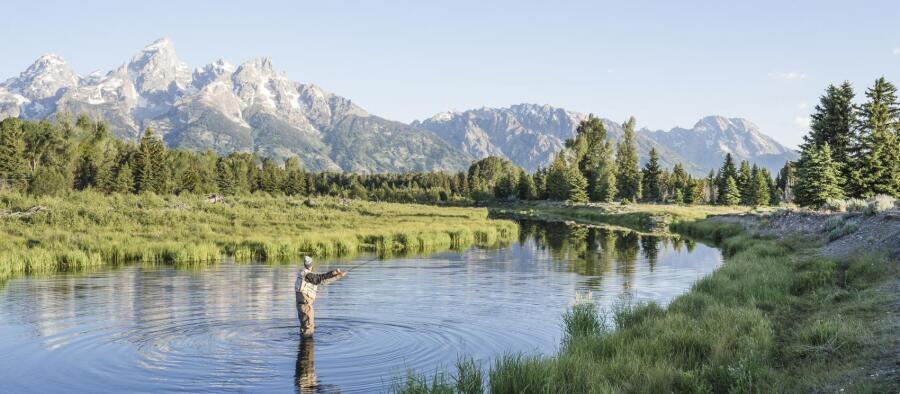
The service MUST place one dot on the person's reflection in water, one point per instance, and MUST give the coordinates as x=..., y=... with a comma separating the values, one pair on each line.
x=305, y=374
x=305, y=378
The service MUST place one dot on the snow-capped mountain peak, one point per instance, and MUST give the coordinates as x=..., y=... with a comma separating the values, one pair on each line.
x=249, y=108
x=44, y=78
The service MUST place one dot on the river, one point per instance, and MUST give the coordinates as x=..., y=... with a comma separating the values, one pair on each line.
x=233, y=326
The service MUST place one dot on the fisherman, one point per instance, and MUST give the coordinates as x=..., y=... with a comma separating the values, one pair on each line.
x=305, y=289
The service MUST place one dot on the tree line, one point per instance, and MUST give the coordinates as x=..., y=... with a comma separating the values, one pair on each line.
x=852, y=149
x=591, y=168
x=52, y=157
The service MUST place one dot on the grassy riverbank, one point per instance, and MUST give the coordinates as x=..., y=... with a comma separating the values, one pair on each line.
x=776, y=317
x=86, y=229
x=651, y=218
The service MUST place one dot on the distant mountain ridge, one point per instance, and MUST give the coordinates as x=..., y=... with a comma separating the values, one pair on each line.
x=253, y=108
x=248, y=108
x=530, y=134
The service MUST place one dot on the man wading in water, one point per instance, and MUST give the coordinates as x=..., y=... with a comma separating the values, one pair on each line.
x=305, y=289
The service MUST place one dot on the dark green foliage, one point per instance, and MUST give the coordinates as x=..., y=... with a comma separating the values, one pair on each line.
x=728, y=171
x=150, y=174
x=834, y=123
x=818, y=177
x=730, y=195
x=652, y=179
x=13, y=167
x=876, y=154
x=557, y=179
x=577, y=185
x=745, y=183
x=52, y=158
x=526, y=188
x=628, y=173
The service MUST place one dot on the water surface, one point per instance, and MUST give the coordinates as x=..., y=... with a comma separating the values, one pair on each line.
x=233, y=327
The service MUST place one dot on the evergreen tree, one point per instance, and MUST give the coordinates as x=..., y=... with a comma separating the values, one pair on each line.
x=727, y=171
x=785, y=182
x=651, y=178
x=189, y=181
x=730, y=194
x=13, y=166
x=818, y=177
x=760, y=196
x=577, y=185
x=774, y=195
x=124, y=181
x=834, y=122
x=150, y=161
x=745, y=183
x=628, y=180
x=606, y=189
x=876, y=154
x=557, y=182
x=526, y=189
x=224, y=177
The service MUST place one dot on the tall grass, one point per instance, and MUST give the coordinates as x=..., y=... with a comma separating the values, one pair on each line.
x=89, y=229
x=774, y=318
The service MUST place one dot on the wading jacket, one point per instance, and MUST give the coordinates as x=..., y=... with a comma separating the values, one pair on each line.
x=307, y=284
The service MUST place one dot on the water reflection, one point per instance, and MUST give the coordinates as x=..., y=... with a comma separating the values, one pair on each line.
x=233, y=327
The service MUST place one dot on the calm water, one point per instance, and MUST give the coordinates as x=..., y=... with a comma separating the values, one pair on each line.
x=233, y=327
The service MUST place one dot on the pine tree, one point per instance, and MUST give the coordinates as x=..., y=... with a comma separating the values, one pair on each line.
x=785, y=182
x=150, y=161
x=189, y=181
x=577, y=185
x=628, y=179
x=124, y=181
x=730, y=194
x=557, y=183
x=728, y=171
x=760, y=196
x=651, y=177
x=224, y=177
x=745, y=183
x=526, y=189
x=13, y=166
x=834, y=122
x=818, y=177
x=876, y=154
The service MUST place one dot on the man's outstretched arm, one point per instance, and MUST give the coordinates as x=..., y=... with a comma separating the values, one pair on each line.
x=325, y=278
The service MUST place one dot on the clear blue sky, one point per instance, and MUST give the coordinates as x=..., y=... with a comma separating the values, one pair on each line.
x=666, y=62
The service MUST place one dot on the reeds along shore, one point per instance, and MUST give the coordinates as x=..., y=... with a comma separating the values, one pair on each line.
x=87, y=229
x=776, y=317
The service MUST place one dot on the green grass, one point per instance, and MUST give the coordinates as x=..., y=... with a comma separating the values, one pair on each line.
x=776, y=317
x=651, y=218
x=87, y=229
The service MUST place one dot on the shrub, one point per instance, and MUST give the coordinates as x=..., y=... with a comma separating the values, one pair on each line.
x=856, y=205
x=840, y=232
x=879, y=204
x=835, y=205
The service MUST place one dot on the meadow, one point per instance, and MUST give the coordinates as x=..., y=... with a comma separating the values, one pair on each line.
x=776, y=317
x=651, y=218
x=86, y=229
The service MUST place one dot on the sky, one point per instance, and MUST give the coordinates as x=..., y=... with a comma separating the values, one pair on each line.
x=668, y=63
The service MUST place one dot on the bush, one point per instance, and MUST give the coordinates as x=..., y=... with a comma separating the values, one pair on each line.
x=835, y=205
x=856, y=205
x=840, y=232
x=879, y=204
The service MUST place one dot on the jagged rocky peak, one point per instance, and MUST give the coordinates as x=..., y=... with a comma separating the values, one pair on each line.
x=44, y=78
x=721, y=123
x=258, y=85
x=211, y=72
x=156, y=67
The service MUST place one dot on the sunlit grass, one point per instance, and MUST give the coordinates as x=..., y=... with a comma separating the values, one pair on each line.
x=85, y=229
x=776, y=317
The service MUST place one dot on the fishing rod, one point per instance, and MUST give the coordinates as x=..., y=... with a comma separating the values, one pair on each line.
x=362, y=264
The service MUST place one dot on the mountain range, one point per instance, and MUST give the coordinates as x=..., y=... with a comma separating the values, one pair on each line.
x=253, y=108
